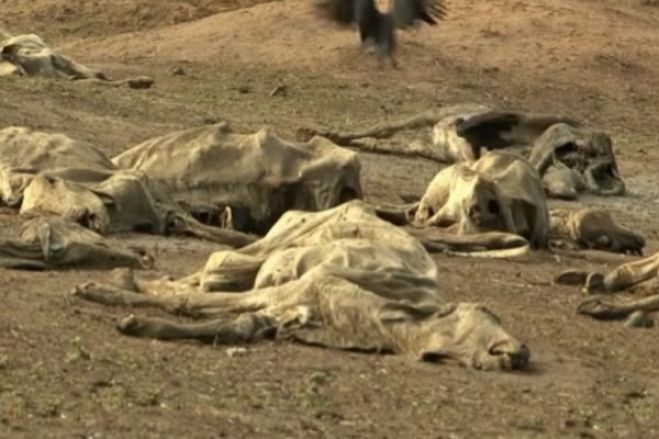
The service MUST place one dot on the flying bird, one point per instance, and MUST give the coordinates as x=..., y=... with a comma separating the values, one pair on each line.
x=378, y=27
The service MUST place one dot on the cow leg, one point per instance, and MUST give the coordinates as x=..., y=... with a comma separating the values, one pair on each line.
x=599, y=309
x=632, y=273
x=191, y=304
x=622, y=277
x=398, y=215
x=200, y=304
x=243, y=329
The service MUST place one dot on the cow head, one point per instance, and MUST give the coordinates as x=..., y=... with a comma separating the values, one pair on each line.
x=472, y=335
x=595, y=229
x=572, y=160
x=499, y=192
x=459, y=195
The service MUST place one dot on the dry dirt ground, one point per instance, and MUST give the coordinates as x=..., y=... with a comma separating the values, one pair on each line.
x=65, y=371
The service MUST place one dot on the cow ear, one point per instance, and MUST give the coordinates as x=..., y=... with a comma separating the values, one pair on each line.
x=411, y=212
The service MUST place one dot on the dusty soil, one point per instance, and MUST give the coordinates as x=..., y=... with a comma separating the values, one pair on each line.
x=65, y=371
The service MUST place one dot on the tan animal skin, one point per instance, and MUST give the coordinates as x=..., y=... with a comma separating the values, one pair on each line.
x=50, y=242
x=169, y=184
x=29, y=55
x=341, y=278
x=590, y=228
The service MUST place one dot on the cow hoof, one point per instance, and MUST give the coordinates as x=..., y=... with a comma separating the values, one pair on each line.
x=130, y=325
x=639, y=319
x=140, y=83
x=571, y=277
x=80, y=290
x=594, y=284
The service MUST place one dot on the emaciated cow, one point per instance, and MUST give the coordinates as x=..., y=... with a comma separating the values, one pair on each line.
x=28, y=55
x=52, y=174
x=341, y=278
x=569, y=157
x=257, y=177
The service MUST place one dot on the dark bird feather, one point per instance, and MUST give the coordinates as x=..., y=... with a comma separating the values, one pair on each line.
x=487, y=130
x=379, y=27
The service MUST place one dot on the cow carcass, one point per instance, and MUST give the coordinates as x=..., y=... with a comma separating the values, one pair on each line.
x=28, y=55
x=625, y=276
x=574, y=160
x=52, y=174
x=499, y=192
x=242, y=182
x=52, y=242
x=254, y=177
x=340, y=278
x=569, y=157
x=590, y=228
x=464, y=131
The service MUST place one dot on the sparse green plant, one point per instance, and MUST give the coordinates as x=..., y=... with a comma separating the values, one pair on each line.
x=78, y=352
x=317, y=379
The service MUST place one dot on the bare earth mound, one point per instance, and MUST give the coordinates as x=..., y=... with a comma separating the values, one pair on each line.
x=96, y=17
x=571, y=39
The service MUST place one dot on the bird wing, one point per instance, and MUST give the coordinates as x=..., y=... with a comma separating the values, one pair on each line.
x=406, y=12
x=487, y=129
x=339, y=11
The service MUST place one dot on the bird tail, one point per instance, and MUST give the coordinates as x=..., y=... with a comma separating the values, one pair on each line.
x=374, y=26
x=385, y=39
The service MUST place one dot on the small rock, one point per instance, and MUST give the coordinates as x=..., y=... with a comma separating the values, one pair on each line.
x=635, y=394
x=280, y=90
x=141, y=82
x=236, y=352
x=178, y=71
x=211, y=119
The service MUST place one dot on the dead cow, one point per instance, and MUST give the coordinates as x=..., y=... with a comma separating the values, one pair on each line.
x=28, y=55
x=591, y=228
x=502, y=192
x=52, y=174
x=569, y=157
x=623, y=277
x=254, y=178
x=466, y=130
x=341, y=278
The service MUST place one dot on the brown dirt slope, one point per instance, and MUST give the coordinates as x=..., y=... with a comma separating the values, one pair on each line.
x=571, y=39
